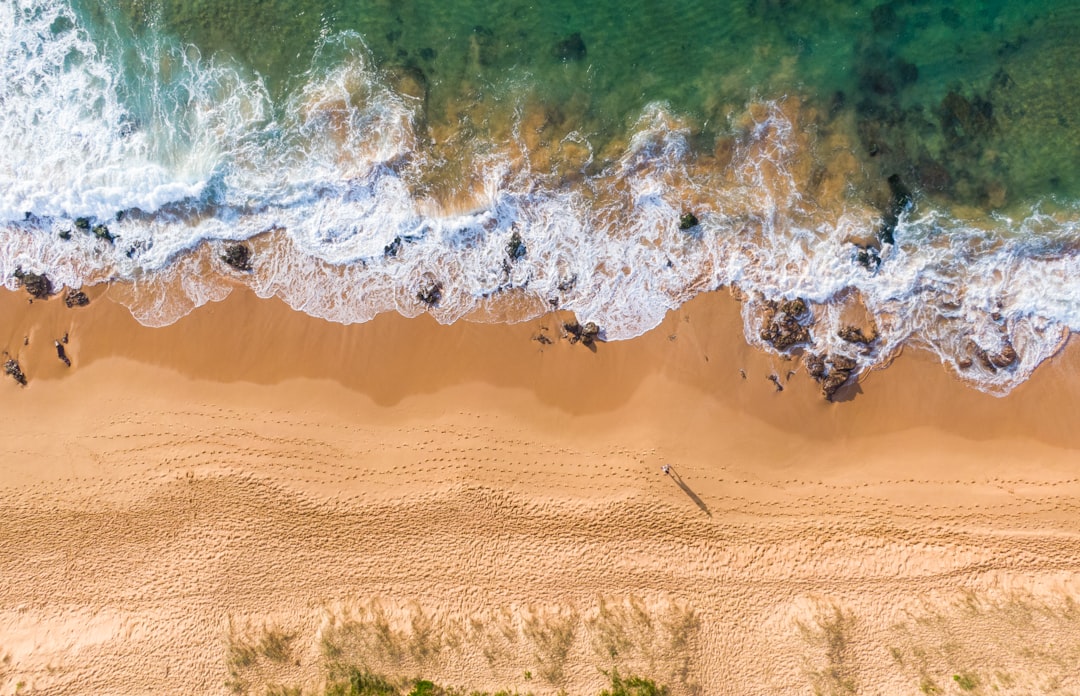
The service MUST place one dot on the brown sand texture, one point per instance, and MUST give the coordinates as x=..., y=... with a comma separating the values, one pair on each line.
x=250, y=498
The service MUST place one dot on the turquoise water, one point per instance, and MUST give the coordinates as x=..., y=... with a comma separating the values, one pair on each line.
x=917, y=159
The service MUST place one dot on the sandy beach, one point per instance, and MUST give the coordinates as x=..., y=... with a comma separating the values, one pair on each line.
x=249, y=497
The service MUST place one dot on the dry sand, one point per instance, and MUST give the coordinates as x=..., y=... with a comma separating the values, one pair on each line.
x=247, y=496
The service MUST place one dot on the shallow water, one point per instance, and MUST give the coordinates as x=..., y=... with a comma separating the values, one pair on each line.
x=916, y=163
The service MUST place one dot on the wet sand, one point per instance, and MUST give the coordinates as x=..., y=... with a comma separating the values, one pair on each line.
x=495, y=505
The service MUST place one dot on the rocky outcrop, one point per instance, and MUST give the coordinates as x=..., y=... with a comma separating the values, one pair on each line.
x=1002, y=359
x=587, y=333
x=783, y=327
x=102, y=232
x=238, y=256
x=392, y=249
x=515, y=248
x=76, y=298
x=37, y=284
x=11, y=367
x=815, y=365
x=831, y=372
x=430, y=293
x=854, y=334
x=688, y=221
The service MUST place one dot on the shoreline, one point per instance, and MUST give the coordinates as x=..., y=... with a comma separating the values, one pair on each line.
x=252, y=466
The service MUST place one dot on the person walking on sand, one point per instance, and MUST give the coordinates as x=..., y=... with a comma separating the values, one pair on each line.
x=666, y=469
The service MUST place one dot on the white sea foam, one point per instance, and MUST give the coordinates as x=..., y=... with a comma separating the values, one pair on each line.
x=206, y=156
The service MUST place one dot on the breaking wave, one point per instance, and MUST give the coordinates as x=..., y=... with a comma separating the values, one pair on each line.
x=342, y=193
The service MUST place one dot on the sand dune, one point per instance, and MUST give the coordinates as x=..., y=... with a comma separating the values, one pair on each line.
x=251, y=497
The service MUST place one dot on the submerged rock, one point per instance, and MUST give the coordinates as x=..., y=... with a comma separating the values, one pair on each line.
x=102, y=232
x=869, y=258
x=37, y=284
x=238, y=256
x=82, y=224
x=11, y=367
x=571, y=48
x=430, y=294
x=688, y=221
x=515, y=248
x=76, y=298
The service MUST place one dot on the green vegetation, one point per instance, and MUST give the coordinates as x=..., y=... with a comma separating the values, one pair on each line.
x=360, y=682
x=966, y=681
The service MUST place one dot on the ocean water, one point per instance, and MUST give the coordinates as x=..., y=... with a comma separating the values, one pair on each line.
x=914, y=165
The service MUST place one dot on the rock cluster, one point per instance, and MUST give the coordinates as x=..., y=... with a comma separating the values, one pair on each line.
x=587, y=333
x=831, y=372
x=76, y=298
x=430, y=294
x=11, y=367
x=783, y=327
x=238, y=256
x=37, y=284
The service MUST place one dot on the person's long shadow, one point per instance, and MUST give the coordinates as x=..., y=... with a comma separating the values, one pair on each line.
x=686, y=489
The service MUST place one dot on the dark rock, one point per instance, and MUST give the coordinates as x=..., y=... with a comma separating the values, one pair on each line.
x=82, y=224
x=542, y=339
x=883, y=18
x=102, y=232
x=869, y=258
x=782, y=327
x=688, y=221
x=11, y=367
x=430, y=294
x=963, y=119
x=392, y=248
x=776, y=382
x=815, y=365
x=76, y=298
x=37, y=284
x=963, y=363
x=238, y=256
x=61, y=353
x=567, y=284
x=837, y=103
x=515, y=248
x=589, y=333
x=877, y=81
x=854, y=334
x=842, y=362
x=907, y=72
x=65, y=235
x=571, y=48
